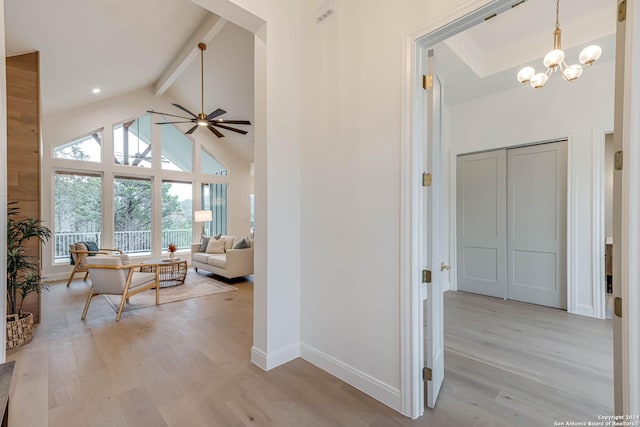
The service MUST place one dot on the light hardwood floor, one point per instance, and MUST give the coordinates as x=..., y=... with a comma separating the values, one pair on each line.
x=187, y=364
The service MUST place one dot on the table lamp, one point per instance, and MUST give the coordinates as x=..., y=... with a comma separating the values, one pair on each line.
x=202, y=216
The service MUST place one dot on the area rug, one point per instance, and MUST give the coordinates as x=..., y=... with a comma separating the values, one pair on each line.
x=195, y=285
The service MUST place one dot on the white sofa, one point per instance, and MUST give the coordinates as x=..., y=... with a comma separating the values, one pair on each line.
x=231, y=264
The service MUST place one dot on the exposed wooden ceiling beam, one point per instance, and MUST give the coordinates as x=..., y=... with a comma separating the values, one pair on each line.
x=206, y=32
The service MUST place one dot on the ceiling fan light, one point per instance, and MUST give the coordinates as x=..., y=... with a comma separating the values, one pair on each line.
x=590, y=54
x=553, y=58
x=539, y=80
x=526, y=74
x=573, y=72
x=202, y=123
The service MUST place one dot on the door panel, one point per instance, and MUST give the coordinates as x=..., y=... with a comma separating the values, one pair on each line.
x=536, y=222
x=433, y=305
x=481, y=207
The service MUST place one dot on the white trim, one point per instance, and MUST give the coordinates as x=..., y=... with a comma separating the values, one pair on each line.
x=464, y=16
x=572, y=234
x=364, y=382
x=583, y=310
x=631, y=216
x=273, y=359
x=598, y=215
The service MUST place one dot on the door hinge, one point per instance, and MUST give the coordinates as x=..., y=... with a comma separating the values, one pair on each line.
x=426, y=179
x=618, y=161
x=426, y=374
x=617, y=306
x=427, y=81
x=622, y=10
x=426, y=276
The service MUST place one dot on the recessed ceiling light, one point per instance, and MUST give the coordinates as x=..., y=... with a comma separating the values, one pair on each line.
x=96, y=90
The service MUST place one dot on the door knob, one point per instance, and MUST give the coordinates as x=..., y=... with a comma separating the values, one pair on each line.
x=444, y=266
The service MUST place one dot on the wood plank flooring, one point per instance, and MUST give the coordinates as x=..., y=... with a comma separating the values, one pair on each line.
x=187, y=364
x=515, y=364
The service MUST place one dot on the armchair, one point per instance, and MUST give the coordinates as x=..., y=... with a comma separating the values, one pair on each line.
x=109, y=276
x=79, y=253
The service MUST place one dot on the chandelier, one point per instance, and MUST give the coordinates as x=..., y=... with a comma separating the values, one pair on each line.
x=554, y=60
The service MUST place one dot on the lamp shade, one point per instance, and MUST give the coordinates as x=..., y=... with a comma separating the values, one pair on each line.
x=590, y=54
x=202, y=216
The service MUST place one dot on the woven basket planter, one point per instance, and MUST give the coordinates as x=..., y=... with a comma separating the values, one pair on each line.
x=19, y=330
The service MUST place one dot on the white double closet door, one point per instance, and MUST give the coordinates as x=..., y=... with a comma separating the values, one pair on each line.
x=511, y=223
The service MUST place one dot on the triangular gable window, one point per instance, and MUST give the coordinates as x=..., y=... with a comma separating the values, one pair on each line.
x=87, y=148
x=211, y=166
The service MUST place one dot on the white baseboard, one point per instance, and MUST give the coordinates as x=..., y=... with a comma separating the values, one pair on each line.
x=584, y=310
x=446, y=286
x=275, y=358
x=54, y=277
x=375, y=388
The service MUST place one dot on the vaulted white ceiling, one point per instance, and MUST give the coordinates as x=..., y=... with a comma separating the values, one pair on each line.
x=120, y=46
x=116, y=45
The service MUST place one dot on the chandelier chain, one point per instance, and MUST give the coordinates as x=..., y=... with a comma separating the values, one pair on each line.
x=557, y=13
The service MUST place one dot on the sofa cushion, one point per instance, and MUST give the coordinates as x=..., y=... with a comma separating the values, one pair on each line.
x=200, y=257
x=228, y=242
x=216, y=246
x=218, y=261
x=203, y=243
x=240, y=243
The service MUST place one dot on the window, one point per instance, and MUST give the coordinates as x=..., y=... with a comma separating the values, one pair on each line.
x=210, y=165
x=132, y=142
x=132, y=215
x=77, y=211
x=214, y=198
x=87, y=148
x=177, y=149
x=176, y=214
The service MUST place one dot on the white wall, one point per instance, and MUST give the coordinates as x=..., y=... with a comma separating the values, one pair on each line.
x=560, y=110
x=64, y=126
x=278, y=115
x=352, y=72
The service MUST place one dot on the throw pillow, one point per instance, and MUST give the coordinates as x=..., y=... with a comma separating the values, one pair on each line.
x=228, y=242
x=203, y=243
x=241, y=243
x=215, y=246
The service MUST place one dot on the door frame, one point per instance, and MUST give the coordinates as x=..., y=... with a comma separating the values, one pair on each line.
x=412, y=113
x=598, y=234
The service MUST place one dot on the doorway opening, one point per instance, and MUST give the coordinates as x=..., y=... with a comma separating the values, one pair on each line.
x=475, y=124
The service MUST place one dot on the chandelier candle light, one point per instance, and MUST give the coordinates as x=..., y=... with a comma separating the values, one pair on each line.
x=555, y=59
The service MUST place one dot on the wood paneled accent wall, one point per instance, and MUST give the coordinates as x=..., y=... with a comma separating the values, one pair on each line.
x=24, y=145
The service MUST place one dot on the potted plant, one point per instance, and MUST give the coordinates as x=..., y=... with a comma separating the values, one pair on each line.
x=172, y=250
x=22, y=273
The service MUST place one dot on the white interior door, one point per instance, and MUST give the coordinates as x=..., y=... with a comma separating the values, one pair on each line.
x=433, y=304
x=536, y=224
x=481, y=207
x=619, y=129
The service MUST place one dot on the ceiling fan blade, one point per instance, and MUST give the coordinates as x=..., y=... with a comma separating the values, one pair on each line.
x=215, y=131
x=184, y=109
x=215, y=114
x=190, y=131
x=244, y=132
x=167, y=114
x=171, y=123
x=235, y=122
